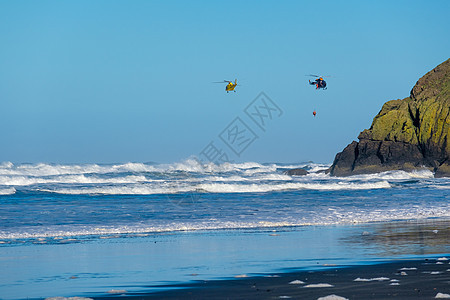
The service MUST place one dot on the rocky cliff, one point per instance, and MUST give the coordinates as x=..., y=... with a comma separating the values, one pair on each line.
x=407, y=134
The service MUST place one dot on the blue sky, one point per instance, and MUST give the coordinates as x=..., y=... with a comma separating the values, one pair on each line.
x=119, y=81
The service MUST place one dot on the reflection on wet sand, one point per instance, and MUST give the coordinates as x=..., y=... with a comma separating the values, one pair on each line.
x=417, y=237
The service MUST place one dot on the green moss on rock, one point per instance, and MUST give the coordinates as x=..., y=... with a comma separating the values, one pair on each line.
x=410, y=133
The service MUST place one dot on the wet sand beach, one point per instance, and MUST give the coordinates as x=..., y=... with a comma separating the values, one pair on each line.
x=400, y=279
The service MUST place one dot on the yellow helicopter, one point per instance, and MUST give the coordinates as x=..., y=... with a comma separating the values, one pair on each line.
x=230, y=86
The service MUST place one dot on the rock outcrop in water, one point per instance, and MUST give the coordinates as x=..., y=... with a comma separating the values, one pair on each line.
x=296, y=172
x=407, y=134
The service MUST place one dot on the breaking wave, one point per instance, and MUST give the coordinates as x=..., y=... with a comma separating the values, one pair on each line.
x=192, y=196
x=7, y=191
x=189, y=165
x=76, y=179
x=258, y=188
x=218, y=188
x=188, y=176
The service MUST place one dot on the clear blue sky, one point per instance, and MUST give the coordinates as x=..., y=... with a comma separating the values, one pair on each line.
x=118, y=81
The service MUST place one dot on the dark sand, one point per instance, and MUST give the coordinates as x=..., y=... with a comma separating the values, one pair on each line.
x=430, y=277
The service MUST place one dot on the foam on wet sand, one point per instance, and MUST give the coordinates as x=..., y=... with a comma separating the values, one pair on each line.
x=376, y=281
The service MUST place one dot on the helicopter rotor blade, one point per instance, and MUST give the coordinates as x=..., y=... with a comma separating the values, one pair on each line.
x=328, y=76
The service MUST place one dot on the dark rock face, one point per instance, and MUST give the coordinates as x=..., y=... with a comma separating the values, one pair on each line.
x=296, y=172
x=369, y=156
x=407, y=134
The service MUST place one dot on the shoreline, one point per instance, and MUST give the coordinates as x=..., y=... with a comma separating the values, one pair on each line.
x=425, y=278
x=223, y=264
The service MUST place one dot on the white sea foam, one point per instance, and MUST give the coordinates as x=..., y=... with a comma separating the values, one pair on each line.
x=189, y=165
x=393, y=175
x=262, y=169
x=6, y=165
x=162, y=187
x=42, y=169
x=41, y=173
x=332, y=297
x=120, y=190
x=362, y=279
x=78, y=179
x=8, y=191
x=442, y=296
x=441, y=187
x=261, y=188
x=269, y=177
x=309, y=166
x=193, y=165
x=236, y=178
x=372, y=279
x=318, y=285
x=296, y=282
x=63, y=232
x=319, y=218
x=192, y=176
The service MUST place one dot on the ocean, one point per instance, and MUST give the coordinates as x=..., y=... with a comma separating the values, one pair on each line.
x=96, y=229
